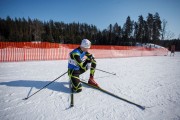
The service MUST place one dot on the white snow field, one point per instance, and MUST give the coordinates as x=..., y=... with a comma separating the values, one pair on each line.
x=149, y=81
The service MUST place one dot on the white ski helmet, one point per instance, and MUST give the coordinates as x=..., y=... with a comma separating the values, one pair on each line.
x=85, y=43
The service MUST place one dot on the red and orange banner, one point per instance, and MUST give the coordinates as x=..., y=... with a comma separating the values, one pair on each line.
x=31, y=51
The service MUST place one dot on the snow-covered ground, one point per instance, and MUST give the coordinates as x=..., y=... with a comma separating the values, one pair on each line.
x=150, y=81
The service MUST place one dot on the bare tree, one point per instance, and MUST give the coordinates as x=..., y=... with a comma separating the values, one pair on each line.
x=164, y=23
x=169, y=35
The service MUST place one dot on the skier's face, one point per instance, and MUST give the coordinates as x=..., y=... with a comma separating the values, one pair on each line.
x=84, y=49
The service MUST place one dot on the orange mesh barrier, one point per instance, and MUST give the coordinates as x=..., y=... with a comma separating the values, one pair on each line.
x=29, y=51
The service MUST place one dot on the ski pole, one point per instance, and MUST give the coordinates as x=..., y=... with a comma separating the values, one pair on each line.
x=106, y=71
x=109, y=93
x=44, y=86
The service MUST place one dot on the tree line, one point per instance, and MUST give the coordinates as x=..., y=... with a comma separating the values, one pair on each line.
x=149, y=30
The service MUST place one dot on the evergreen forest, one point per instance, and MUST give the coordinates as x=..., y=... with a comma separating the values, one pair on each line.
x=150, y=29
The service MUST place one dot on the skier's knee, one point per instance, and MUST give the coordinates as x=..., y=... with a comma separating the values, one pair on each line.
x=77, y=89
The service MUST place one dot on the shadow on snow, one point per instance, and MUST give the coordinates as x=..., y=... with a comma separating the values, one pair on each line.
x=55, y=86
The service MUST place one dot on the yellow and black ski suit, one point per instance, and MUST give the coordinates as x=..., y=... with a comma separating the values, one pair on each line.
x=76, y=66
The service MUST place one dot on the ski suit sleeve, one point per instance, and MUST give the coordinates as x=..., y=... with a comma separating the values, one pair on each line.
x=90, y=58
x=78, y=60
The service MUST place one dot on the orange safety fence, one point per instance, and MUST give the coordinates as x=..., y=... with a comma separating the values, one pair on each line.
x=29, y=51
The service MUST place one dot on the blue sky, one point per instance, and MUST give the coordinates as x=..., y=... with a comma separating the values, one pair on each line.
x=101, y=13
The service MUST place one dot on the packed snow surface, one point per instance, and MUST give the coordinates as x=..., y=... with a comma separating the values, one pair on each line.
x=153, y=82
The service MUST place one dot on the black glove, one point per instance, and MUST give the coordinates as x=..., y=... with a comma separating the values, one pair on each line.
x=90, y=57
